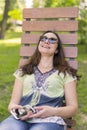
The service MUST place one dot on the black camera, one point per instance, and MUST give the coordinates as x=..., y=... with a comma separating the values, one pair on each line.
x=18, y=113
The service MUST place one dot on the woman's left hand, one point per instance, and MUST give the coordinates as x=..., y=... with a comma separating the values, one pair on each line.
x=43, y=112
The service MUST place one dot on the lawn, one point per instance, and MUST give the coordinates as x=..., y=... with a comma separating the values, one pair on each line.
x=9, y=58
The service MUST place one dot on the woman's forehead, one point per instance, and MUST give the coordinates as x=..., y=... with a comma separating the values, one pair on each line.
x=50, y=34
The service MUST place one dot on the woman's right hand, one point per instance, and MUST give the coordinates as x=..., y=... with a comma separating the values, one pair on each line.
x=13, y=105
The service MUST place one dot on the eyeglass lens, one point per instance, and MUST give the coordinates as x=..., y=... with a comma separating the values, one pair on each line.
x=50, y=40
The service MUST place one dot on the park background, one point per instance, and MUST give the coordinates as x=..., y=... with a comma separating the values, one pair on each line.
x=10, y=40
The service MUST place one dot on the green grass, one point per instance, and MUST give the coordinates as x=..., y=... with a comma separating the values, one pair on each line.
x=9, y=58
x=81, y=117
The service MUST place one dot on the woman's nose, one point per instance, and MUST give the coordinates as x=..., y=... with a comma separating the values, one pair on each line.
x=47, y=41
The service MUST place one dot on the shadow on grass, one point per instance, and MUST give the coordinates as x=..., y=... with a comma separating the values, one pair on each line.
x=12, y=34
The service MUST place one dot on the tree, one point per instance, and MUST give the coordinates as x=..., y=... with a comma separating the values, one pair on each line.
x=4, y=20
x=11, y=8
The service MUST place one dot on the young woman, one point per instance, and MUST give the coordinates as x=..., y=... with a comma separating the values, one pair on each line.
x=43, y=83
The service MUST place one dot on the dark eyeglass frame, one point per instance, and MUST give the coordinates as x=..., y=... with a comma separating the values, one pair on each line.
x=51, y=40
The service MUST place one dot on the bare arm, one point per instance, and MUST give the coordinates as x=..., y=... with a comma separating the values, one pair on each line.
x=71, y=107
x=16, y=95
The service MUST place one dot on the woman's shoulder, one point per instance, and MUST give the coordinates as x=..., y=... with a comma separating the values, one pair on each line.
x=18, y=72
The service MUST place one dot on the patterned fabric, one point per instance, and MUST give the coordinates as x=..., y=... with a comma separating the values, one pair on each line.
x=44, y=89
x=41, y=77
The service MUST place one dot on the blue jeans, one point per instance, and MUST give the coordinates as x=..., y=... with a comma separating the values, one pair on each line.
x=12, y=124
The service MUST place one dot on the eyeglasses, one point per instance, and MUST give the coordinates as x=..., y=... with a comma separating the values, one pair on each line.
x=51, y=40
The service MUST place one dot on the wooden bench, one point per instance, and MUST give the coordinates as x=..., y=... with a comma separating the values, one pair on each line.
x=62, y=20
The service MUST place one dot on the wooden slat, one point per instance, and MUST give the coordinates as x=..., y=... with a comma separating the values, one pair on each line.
x=65, y=38
x=69, y=25
x=72, y=63
x=70, y=51
x=23, y=62
x=61, y=12
x=29, y=50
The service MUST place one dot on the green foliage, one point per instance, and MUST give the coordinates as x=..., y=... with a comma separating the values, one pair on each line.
x=59, y=3
x=55, y=3
x=15, y=14
x=36, y=3
x=83, y=27
x=13, y=4
x=0, y=19
x=48, y=3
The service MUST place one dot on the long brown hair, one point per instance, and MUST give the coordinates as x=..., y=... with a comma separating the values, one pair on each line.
x=59, y=61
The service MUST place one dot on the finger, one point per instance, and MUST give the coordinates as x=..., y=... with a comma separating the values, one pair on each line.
x=26, y=116
x=38, y=108
x=36, y=115
x=17, y=107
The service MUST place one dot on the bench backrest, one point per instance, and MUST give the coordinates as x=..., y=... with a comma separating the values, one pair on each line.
x=62, y=20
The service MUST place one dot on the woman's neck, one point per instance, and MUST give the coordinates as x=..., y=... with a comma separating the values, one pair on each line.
x=46, y=64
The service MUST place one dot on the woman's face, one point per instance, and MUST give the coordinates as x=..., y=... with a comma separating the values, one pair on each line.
x=48, y=44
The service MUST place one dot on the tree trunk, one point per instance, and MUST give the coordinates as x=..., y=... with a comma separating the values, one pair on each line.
x=4, y=20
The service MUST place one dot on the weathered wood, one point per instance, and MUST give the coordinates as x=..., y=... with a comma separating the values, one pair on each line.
x=29, y=50
x=68, y=25
x=62, y=12
x=65, y=38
